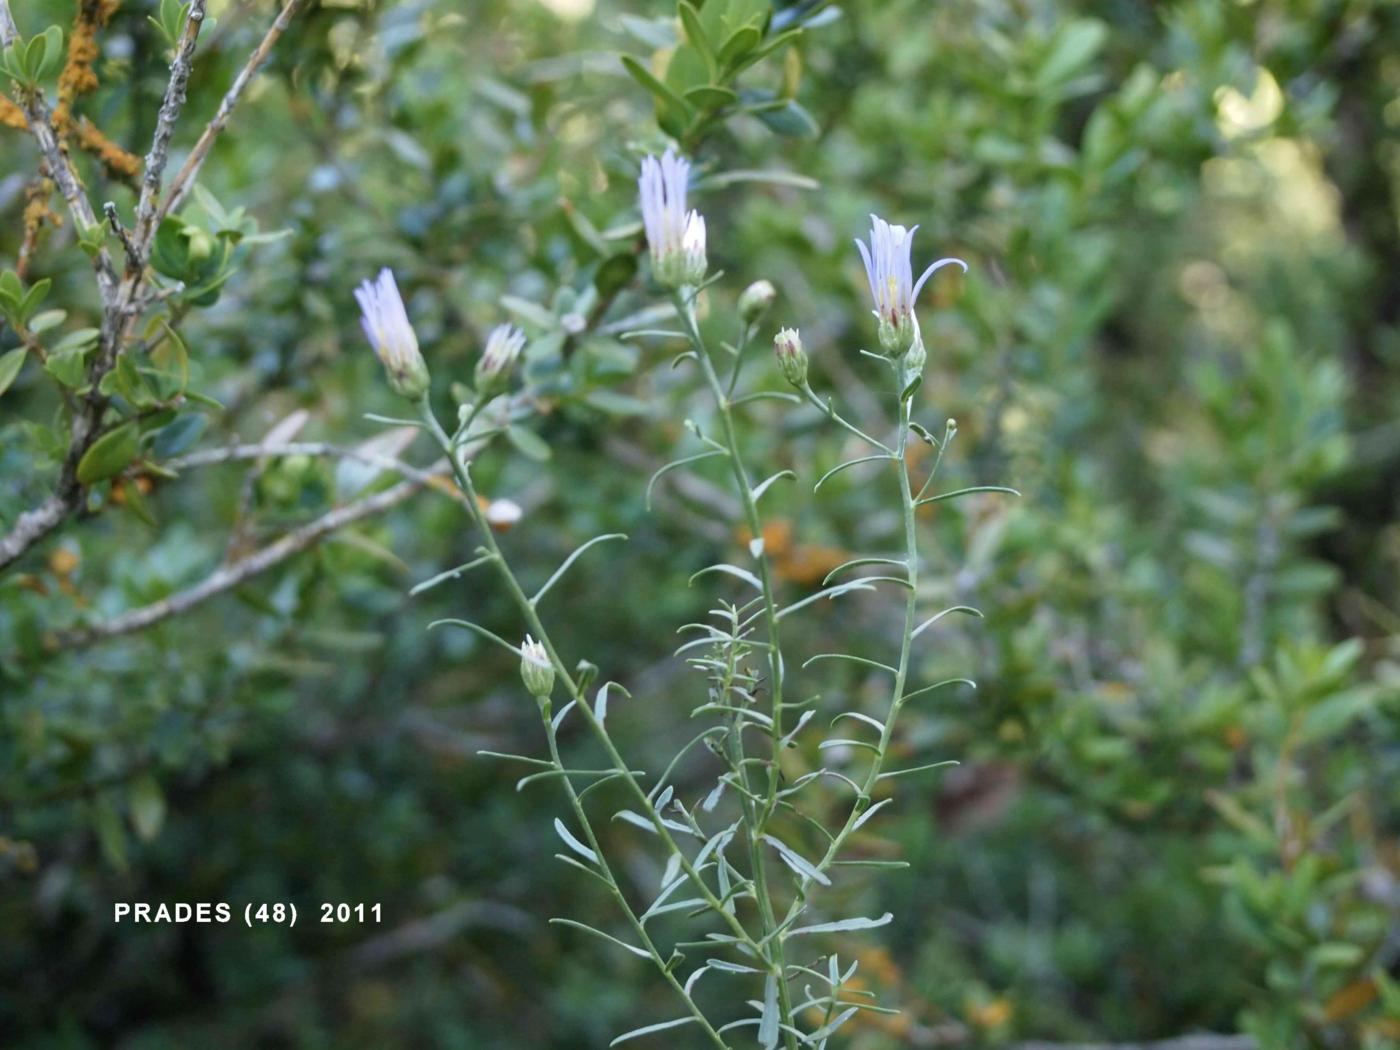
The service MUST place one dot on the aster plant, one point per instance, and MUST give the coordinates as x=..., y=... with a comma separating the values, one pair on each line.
x=746, y=861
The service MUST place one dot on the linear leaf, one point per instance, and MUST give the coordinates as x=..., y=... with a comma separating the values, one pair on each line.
x=857, y=562
x=964, y=492
x=477, y=629
x=827, y=1031
x=849, y=463
x=762, y=486
x=600, y=703
x=649, y=1029
x=874, y=723
x=870, y=813
x=768, y=1023
x=796, y=861
x=843, y=925
x=450, y=574
x=827, y=592
x=853, y=659
x=559, y=572
x=732, y=570
x=678, y=463
x=599, y=933
x=938, y=685
x=938, y=616
x=516, y=758
x=573, y=843
x=917, y=769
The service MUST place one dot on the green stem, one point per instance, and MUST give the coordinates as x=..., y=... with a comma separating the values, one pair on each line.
x=906, y=646
x=754, y=822
x=537, y=628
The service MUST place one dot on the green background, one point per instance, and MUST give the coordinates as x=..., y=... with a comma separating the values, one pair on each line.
x=1179, y=797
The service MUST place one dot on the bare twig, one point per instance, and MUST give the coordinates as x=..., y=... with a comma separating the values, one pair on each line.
x=170, y=108
x=184, y=179
x=133, y=257
x=229, y=576
x=235, y=453
x=33, y=525
x=237, y=572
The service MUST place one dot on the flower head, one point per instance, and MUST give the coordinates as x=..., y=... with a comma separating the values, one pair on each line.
x=536, y=670
x=503, y=348
x=792, y=359
x=675, y=236
x=386, y=324
x=756, y=300
x=892, y=283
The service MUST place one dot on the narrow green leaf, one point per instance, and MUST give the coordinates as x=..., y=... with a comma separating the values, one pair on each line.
x=763, y=486
x=10, y=365
x=938, y=685
x=573, y=843
x=476, y=629
x=964, y=492
x=450, y=574
x=916, y=769
x=768, y=1022
x=599, y=933
x=649, y=1029
x=843, y=466
x=678, y=463
x=969, y=610
x=796, y=861
x=559, y=572
x=843, y=925
x=731, y=570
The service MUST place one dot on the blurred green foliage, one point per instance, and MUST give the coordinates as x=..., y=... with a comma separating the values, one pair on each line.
x=1180, y=794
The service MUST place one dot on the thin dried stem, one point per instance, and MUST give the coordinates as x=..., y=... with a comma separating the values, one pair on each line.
x=184, y=179
x=239, y=572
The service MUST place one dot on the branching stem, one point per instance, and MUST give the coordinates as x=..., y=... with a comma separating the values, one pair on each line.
x=755, y=821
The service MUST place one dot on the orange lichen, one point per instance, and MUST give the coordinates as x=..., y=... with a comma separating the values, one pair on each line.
x=78, y=76
x=11, y=115
x=115, y=159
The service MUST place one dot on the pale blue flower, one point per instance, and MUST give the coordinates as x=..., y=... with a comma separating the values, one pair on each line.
x=675, y=236
x=892, y=284
x=503, y=347
x=386, y=325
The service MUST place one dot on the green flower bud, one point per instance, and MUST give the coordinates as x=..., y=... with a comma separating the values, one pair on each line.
x=792, y=359
x=493, y=368
x=536, y=669
x=756, y=300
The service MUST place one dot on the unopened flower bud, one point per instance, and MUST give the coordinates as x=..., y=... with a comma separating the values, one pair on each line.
x=386, y=324
x=536, y=670
x=756, y=300
x=792, y=359
x=503, y=348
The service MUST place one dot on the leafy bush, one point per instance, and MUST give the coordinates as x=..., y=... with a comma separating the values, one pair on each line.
x=1175, y=809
